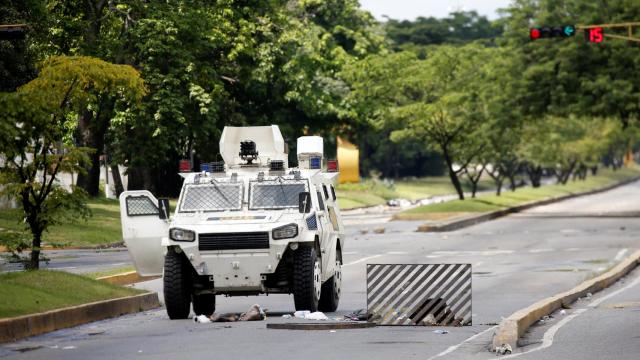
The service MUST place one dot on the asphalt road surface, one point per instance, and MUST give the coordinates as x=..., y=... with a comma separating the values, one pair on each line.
x=516, y=261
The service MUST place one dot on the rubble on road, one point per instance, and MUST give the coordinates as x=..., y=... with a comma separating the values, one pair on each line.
x=504, y=349
x=255, y=313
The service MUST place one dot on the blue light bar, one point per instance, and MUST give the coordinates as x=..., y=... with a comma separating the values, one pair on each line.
x=315, y=162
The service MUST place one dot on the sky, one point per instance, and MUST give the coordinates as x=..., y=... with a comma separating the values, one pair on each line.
x=411, y=9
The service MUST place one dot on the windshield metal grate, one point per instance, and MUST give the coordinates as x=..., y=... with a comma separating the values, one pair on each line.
x=212, y=197
x=140, y=206
x=233, y=241
x=276, y=194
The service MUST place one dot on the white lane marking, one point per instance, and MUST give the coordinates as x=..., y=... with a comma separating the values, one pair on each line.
x=362, y=260
x=349, y=253
x=535, y=251
x=453, y=348
x=597, y=302
x=471, y=253
x=64, y=267
x=547, y=339
x=479, y=263
x=397, y=253
x=620, y=255
x=118, y=264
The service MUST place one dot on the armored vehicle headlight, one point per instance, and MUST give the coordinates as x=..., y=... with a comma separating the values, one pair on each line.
x=182, y=235
x=285, y=232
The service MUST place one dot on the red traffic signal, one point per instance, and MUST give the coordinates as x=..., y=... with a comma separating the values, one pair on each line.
x=594, y=35
x=534, y=34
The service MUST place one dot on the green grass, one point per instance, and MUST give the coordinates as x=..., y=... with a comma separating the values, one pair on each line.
x=31, y=292
x=103, y=228
x=508, y=199
x=371, y=193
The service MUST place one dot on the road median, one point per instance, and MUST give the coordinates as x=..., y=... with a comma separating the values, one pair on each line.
x=473, y=219
x=126, y=278
x=15, y=328
x=513, y=327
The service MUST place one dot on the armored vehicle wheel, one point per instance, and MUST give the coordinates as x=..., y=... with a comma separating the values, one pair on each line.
x=330, y=294
x=204, y=304
x=307, y=279
x=177, y=285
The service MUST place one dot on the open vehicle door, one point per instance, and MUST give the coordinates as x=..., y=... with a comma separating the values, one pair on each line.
x=143, y=230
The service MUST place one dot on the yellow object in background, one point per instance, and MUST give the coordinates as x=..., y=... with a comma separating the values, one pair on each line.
x=348, y=162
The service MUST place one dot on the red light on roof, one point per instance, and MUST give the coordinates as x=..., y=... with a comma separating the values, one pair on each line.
x=185, y=166
x=332, y=165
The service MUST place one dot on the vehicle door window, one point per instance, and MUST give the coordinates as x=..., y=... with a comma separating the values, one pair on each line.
x=326, y=193
x=320, y=201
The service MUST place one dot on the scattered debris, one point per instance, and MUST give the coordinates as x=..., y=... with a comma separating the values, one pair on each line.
x=255, y=313
x=308, y=315
x=440, y=331
x=287, y=316
x=563, y=312
x=364, y=231
x=332, y=331
x=358, y=315
x=623, y=228
x=430, y=320
x=379, y=230
x=68, y=347
x=504, y=349
x=589, y=295
x=301, y=314
x=203, y=319
x=27, y=348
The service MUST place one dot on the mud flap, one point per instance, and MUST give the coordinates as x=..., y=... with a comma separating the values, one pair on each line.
x=143, y=230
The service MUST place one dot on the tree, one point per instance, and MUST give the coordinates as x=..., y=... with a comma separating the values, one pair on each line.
x=38, y=146
x=458, y=28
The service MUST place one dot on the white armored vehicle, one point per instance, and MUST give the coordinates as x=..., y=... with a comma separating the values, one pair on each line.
x=248, y=226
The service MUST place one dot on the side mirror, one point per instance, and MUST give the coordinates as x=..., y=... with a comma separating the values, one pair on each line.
x=163, y=209
x=304, y=202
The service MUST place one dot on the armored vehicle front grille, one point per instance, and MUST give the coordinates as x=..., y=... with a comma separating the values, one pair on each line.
x=234, y=241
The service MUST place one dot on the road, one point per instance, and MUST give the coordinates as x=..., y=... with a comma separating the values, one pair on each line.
x=516, y=261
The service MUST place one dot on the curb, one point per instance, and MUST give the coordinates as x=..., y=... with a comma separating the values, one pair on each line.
x=514, y=326
x=483, y=217
x=20, y=327
x=126, y=278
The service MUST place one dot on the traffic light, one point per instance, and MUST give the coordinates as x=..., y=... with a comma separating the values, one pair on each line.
x=594, y=35
x=552, y=32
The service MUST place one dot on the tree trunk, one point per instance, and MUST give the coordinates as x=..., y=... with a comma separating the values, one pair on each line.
x=535, y=174
x=499, y=187
x=34, y=263
x=452, y=174
x=91, y=134
x=594, y=170
x=512, y=182
x=117, y=180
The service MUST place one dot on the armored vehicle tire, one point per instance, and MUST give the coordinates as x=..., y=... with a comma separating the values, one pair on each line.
x=307, y=279
x=177, y=289
x=330, y=294
x=204, y=304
